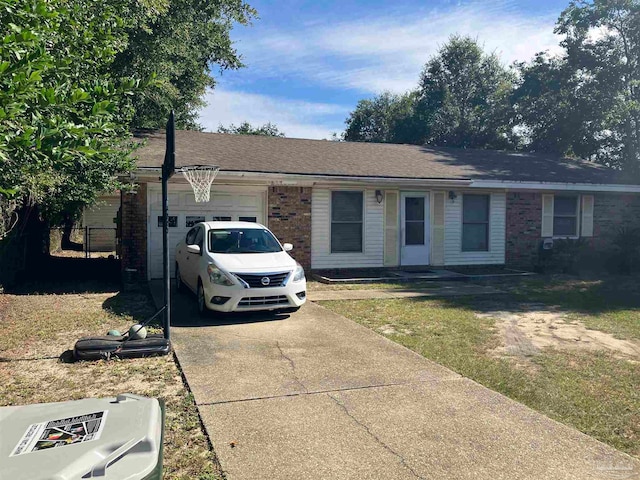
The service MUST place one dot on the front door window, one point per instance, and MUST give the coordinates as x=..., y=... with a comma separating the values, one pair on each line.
x=414, y=220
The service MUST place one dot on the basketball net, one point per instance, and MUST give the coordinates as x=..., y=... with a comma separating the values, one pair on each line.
x=200, y=177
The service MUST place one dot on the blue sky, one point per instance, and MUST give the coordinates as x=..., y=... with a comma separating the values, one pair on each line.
x=308, y=63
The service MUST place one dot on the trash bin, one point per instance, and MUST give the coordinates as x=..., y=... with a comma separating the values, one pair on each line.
x=107, y=438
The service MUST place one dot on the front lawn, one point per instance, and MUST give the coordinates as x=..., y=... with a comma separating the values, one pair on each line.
x=567, y=348
x=37, y=328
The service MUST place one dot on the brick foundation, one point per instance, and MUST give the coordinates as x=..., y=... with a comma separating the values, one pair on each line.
x=134, y=235
x=290, y=220
x=524, y=224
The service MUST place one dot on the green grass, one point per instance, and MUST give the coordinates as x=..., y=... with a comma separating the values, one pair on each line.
x=45, y=325
x=595, y=392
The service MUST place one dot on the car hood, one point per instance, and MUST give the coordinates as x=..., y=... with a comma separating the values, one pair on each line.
x=254, y=262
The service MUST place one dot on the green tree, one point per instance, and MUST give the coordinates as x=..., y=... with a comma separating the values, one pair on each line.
x=559, y=110
x=386, y=118
x=245, y=128
x=180, y=42
x=64, y=124
x=464, y=98
x=602, y=45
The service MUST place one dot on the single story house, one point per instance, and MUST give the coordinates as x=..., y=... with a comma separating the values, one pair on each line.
x=355, y=205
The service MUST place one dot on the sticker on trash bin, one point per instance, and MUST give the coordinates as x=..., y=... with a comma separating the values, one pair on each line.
x=62, y=432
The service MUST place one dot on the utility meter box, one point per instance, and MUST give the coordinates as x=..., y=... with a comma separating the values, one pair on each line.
x=107, y=438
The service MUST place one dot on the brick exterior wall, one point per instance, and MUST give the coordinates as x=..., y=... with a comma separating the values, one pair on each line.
x=610, y=213
x=134, y=234
x=524, y=223
x=289, y=210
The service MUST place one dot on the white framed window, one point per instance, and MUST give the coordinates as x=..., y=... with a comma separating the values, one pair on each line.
x=565, y=215
x=347, y=213
x=475, y=223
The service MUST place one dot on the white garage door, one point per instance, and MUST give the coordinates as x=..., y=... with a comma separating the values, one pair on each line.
x=226, y=203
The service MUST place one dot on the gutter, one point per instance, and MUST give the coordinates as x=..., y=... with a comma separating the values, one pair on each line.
x=555, y=186
x=312, y=179
x=299, y=179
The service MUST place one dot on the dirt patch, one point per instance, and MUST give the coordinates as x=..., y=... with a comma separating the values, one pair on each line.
x=526, y=330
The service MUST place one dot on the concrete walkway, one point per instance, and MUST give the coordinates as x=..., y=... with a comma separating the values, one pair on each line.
x=316, y=396
x=448, y=289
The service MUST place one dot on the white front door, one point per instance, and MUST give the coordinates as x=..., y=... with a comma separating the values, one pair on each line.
x=414, y=228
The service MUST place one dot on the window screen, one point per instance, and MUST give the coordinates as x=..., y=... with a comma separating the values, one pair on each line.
x=475, y=223
x=346, y=221
x=565, y=216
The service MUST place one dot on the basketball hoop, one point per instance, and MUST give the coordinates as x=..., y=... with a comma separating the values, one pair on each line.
x=200, y=177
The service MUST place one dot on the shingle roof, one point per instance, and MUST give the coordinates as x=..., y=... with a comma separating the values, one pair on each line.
x=248, y=153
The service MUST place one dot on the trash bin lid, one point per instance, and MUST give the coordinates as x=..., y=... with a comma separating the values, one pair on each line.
x=109, y=438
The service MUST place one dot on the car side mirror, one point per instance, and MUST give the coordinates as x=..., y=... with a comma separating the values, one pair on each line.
x=193, y=249
x=287, y=247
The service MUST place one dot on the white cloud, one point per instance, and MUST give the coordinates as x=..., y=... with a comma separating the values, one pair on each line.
x=295, y=118
x=383, y=51
x=387, y=52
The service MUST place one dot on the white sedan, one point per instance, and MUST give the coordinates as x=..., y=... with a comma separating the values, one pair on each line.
x=239, y=266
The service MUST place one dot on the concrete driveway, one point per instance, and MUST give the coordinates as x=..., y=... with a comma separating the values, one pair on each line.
x=316, y=396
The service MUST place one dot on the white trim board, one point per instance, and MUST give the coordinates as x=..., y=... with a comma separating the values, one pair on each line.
x=555, y=186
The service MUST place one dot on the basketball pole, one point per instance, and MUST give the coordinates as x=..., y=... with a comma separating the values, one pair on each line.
x=168, y=168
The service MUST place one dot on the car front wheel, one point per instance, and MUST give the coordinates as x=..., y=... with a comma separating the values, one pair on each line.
x=202, y=307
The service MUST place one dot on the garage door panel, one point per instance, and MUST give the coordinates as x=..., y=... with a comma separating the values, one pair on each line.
x=223, y=206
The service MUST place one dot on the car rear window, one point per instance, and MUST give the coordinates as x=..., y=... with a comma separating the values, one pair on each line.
x=242, y=240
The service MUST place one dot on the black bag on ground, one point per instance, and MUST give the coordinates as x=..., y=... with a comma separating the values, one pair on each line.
x=107, y=346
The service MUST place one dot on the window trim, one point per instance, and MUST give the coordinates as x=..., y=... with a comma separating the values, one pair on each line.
x=488, y=223
x=578, y=216
x=362, y=221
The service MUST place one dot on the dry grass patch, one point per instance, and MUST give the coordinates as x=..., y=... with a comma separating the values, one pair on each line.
x=37, y=326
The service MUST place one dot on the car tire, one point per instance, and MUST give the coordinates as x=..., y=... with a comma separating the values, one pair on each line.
x=179, y=283
x=202, y=306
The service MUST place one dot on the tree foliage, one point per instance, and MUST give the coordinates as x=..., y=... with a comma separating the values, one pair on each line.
x=462, y=101
x=602, y=44
x=464, y=97
x=64, y=123
x=387, y=118
x=77, y=75
x=245, y=128
x=179, y=42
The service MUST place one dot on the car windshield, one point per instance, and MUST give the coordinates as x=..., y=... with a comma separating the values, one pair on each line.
x=242, y=240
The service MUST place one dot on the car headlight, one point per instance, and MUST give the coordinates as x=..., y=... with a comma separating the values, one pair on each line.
x=298, y=276
x=217, y=276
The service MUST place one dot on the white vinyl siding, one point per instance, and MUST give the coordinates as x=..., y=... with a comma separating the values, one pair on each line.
x=373, y=233
x=453, y=254
x=100, y=218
